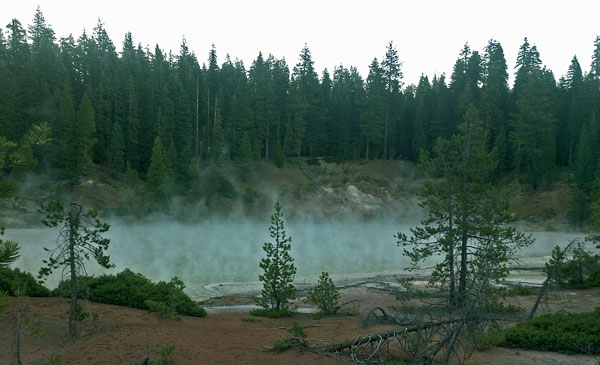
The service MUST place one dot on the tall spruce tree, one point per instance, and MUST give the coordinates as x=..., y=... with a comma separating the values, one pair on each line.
x=494, y=102
x=156, y=178
x=586, y=161
x=533, y=124
x=392, y=75
x=373, y=115
x=117, y=148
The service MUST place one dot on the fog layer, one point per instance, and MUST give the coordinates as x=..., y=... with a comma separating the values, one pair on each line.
x=229, y=251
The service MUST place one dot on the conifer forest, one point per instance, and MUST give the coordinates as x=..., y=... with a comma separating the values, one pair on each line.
x=449, y=221
x=99, y=106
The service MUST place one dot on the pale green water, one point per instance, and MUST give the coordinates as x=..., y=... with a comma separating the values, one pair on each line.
x=224, y=252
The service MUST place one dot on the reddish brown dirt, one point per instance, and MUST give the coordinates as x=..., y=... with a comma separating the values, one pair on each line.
x=122, y=335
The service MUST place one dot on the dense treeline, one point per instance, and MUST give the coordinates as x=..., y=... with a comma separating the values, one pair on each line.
x=72, y=103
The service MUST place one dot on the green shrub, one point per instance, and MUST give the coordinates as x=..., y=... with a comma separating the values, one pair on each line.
x=162, y=309
x=282, y=344
x=313, y=162
x=133, y=290
x=325, y=295
x=297, y=330
x=215, y=184
x=560, y=332
x=29, y=286
x=272, y=313
x=8, y=188
x=489, y=338
x=523, y=290
x=4, y=302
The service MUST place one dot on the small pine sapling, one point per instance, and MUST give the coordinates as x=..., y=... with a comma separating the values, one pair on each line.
x=325, y=295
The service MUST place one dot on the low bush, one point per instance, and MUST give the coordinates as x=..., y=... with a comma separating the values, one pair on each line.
x=272, y=313
x=282, y=344
x=523, y=291
x=133, y=290
x=29, y=286
x=560, y=332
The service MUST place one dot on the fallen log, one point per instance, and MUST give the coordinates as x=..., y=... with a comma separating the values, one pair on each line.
x=363, y=340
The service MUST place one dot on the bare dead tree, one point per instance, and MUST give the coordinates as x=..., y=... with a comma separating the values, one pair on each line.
x=552, y=270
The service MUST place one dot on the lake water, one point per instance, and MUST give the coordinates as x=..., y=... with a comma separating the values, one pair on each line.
x=229, y=251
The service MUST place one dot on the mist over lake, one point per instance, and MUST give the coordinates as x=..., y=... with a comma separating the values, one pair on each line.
x=226, y=251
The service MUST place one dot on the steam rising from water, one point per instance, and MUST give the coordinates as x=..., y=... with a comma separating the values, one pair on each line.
x=229, y=251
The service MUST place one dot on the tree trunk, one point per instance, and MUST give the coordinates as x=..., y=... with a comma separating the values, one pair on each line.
x=18, y=339
x=462, y=283
x=452, y=279
x=551, y=274
x=363, y=340
x=197, y=116
x=267, y=143
x=385, y=134
x=73, y=309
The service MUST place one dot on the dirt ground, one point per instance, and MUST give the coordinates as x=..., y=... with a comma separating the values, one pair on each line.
x=121, y=335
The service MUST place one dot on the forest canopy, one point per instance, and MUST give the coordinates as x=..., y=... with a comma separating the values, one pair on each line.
x=73, y=103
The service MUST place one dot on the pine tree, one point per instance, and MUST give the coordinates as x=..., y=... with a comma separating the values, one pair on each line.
x=63, y=130
x=308, y=122
x=82, y=133
x=494, y=101
x=373, y=116
x=468, y=220
x=421, y=131
x=392, y=75
x=570, y=123
x=80, y=237
x=245, y=159
x=586, y=164
x=117, y=149
x=325, y=295
x=278, y=267
x=533, y=134
x=156, y=178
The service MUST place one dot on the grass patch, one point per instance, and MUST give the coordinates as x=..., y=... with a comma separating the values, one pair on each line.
x=272, y=313
x=251, y=319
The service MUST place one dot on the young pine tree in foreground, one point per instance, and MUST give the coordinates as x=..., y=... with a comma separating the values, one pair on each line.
x=278, y=267
x=78, y=239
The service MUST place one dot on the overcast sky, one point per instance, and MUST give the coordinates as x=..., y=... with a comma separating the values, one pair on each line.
x=428, y=34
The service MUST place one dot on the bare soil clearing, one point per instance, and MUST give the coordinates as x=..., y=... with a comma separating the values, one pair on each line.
x=122, y=335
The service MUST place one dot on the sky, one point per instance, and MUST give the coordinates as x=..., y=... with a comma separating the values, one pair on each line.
x=428, y=34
